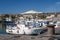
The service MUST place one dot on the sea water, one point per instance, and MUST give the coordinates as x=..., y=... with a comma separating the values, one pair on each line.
x=3, y=29
x=3, y=32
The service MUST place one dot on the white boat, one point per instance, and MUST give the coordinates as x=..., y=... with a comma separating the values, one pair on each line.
x=22, y=28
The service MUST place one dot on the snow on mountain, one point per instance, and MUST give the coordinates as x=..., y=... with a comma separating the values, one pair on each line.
x=31, y=11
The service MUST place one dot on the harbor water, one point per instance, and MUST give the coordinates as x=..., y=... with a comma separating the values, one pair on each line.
x=2, y=29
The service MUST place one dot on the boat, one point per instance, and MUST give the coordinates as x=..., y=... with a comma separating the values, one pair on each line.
x=24, y=27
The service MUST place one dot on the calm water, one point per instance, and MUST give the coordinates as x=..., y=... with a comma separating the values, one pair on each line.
x=3, y=32
x=2, y=29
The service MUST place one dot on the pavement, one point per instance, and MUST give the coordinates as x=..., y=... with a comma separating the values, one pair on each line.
x=43, y=36
x=21, y=37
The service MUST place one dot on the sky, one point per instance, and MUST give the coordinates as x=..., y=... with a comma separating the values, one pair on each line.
x=20, y=6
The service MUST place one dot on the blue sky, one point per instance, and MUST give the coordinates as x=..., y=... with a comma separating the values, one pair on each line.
x=19, y=6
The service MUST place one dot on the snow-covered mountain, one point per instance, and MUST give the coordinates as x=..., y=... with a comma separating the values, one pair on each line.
x=31, y=11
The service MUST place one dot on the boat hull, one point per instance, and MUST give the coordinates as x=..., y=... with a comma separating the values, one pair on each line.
x=26, y=31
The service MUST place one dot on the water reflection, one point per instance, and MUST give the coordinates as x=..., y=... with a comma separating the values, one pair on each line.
x=2, y=29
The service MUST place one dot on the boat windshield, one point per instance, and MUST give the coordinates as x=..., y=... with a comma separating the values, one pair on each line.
x=34, y=24
x=27, y=24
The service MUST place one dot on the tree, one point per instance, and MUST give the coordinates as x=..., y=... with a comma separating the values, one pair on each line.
x=43, y=17
x=3, y=17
